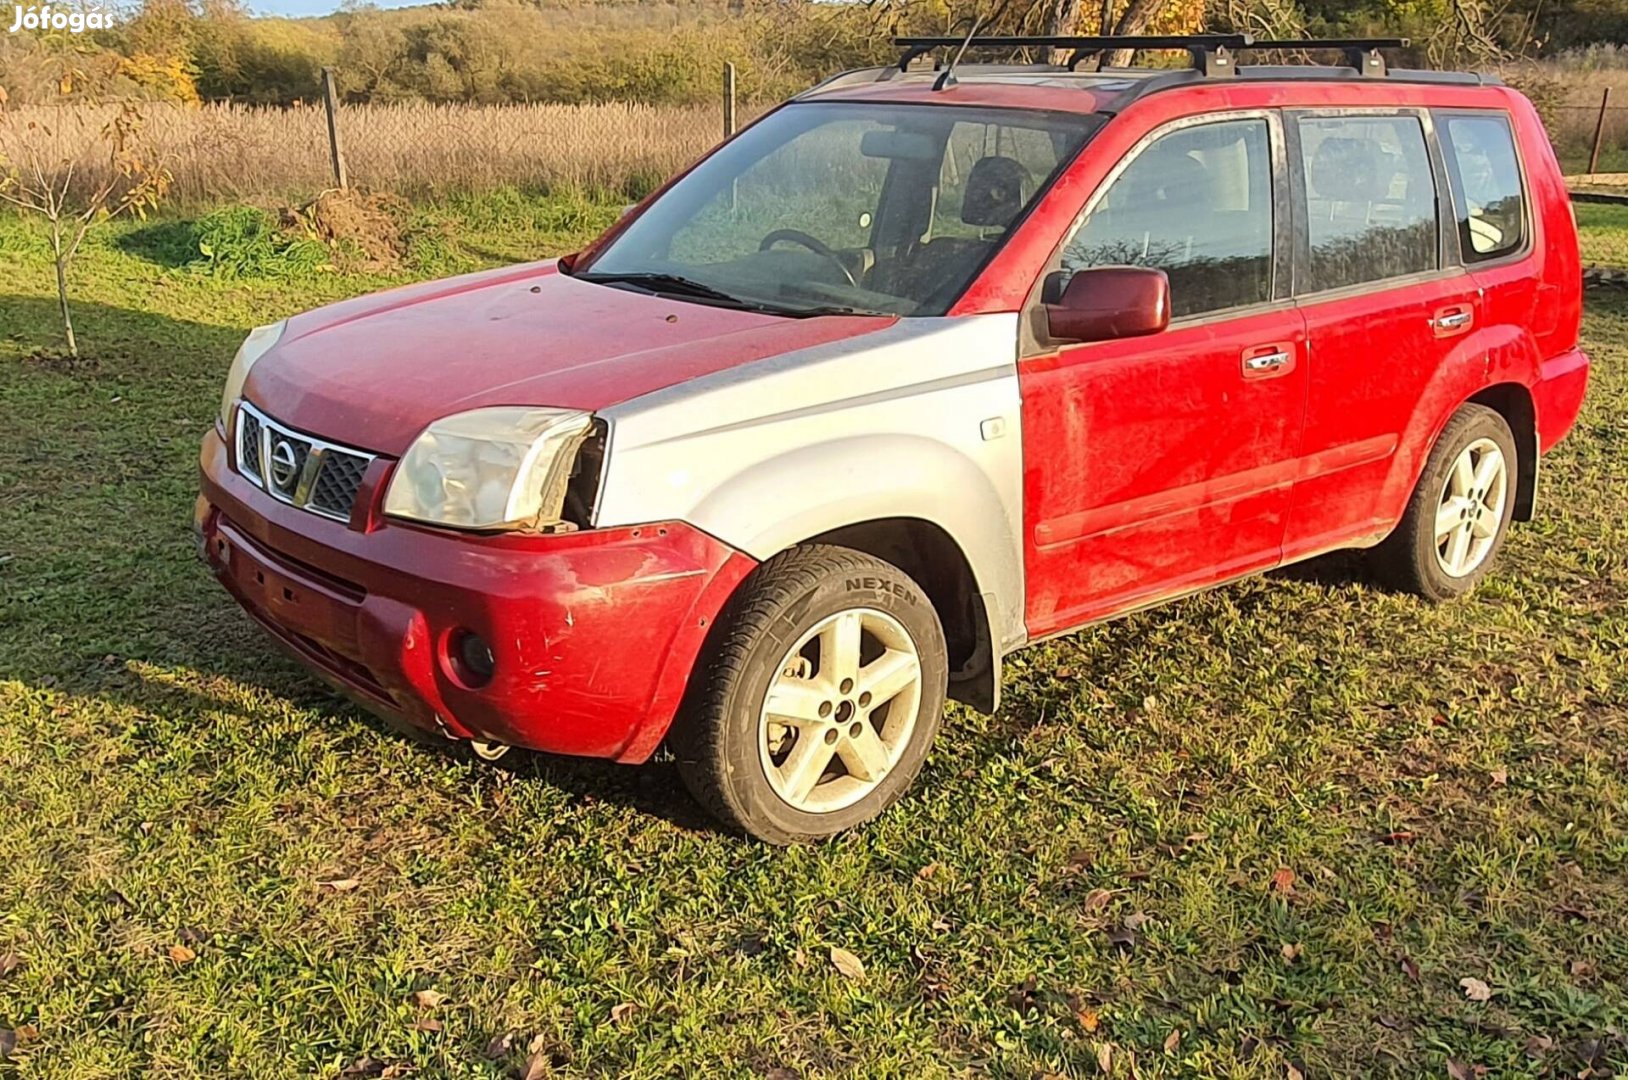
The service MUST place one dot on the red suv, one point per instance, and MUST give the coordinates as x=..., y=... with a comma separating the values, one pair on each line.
x=927, y=364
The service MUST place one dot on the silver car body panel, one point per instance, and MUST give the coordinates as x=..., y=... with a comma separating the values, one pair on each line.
x=918, y=420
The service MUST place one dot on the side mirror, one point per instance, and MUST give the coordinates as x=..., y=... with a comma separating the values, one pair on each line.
x=1104, y=303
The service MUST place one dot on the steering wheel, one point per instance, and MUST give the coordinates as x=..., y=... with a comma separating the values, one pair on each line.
x=818, y=247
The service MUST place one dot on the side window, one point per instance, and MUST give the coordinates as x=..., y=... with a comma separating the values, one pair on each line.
x=1485, y=172
x=1370, y=200
x=1197, y=204
x=1027, y=155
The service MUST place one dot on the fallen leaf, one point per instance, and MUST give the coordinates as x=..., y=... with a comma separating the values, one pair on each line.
x=799, y=958
x=499, y=1045
x=1089, y=1020
x=1291, y=953
x=426, y=1023
x=1410, y=969
x=344, y=884
x=536, y=1067
x=926, y=873
x=1291, y=1071
x=622, y=1011
x=846, y=963
x=1581, y=969
x=1105, y=1057
x=1283, y=881
x=181, y=954
x=1475, y=989
x=1401, y=836
x=1080, y=859
x=8, y=1043
x=539, y=1043
x=1134, y=920
x=1538, y=1045
x=1097, y=898
x=428, y=999
x=9, y=962
x=1499, y=777
x=1171, y=1041
x=1457, y=1070
x=27, y=1033
x=1122, y=938
x=1387, y=1020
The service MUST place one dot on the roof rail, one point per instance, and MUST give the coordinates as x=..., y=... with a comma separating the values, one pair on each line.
x=1360, y=53
x=1211, y=53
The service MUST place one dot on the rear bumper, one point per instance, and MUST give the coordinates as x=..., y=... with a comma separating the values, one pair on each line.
x=1557, y=396
x=594, y=633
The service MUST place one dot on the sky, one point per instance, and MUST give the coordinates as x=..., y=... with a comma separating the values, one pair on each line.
x=314, y=7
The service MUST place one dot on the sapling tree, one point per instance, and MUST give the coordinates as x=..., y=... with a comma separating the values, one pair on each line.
x=79, y=181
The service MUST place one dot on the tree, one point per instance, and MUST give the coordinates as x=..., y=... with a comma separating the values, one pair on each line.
x=41, y=181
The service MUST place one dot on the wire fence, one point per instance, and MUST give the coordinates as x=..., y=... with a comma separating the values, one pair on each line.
x=1591, y=136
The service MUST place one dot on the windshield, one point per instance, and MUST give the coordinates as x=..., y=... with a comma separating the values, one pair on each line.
x=888, y=209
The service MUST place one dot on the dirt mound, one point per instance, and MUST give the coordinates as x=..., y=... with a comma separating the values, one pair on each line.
x=366, y=231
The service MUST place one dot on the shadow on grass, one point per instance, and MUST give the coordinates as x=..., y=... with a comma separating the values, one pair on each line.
x=170, y=244
x=63, y=628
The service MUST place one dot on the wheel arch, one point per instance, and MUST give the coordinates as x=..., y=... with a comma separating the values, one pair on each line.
x=1513, y=401
x=935, y=561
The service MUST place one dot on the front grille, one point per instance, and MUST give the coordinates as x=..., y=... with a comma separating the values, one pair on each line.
x=337, y=483
x=299, y=469
x=249, y=459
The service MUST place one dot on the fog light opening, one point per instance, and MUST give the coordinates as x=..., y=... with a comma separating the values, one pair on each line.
x=472, y=658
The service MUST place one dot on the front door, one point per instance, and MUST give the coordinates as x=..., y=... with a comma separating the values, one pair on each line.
x=1158, y=465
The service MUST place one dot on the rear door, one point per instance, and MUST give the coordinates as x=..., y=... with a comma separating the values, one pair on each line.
x=1161, y=464
x=1384, y=303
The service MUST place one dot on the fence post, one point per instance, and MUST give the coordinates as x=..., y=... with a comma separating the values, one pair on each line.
x=1599, y=132
x=330, y=101
x=729, y=100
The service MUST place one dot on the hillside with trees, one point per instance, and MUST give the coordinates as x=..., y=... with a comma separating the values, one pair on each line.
x=564, y=51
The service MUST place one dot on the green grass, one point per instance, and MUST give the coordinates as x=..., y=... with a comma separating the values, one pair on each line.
x=1602, y=230
x=1448, y=786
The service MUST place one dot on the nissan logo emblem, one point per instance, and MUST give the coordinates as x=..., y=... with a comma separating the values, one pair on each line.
x=285, y=467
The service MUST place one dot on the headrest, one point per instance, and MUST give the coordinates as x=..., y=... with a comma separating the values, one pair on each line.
x=1345, y=170
x=997, y=190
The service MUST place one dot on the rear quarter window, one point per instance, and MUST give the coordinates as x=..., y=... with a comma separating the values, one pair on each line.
x=1489, y=200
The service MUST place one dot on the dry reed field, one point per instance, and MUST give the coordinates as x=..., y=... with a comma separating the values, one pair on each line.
x=226, y=152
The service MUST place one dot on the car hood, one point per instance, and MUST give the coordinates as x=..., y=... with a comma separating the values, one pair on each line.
x=374, y=371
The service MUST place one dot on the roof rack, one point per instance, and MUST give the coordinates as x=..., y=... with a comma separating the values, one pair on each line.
x=1211, y=53
x=1360, y=53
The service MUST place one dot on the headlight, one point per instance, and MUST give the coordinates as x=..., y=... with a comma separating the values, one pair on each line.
x=500, y=468
x=256, y=345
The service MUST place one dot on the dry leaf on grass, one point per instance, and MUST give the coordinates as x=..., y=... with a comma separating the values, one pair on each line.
x=1283, y=881
x=428, y=999
x=1105, y=1057
x=926, y=872
x=1475, y=989
x=1172, y=1041
x=1097, y=898
x=622, y=1011
x=499, y=1045
x=536, y=1067
x=181, y=954
x=426, y=1023
x=344, y=884
x=9, y=962
x=1291, y=1071
x=1291, y=953
x=846, y=963
x=1089, y=1020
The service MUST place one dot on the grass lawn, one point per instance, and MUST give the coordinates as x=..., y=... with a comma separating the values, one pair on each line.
x=1278, y=823
x=1602, y=231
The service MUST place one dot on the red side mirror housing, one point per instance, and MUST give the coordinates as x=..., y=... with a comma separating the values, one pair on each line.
x=1103, y=303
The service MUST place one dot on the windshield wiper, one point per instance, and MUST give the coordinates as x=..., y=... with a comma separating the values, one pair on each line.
x=672, y=284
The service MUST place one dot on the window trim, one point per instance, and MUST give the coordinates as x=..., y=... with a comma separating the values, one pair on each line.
x=1035, y=343
x=1446, y=249
x=1528, y=220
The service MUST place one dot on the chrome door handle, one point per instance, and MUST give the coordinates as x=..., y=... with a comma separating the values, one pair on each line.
x=1451, y=322
x=1269, y=362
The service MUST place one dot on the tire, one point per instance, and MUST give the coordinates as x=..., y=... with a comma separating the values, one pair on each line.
x=756, y=764
x=1414, y=558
